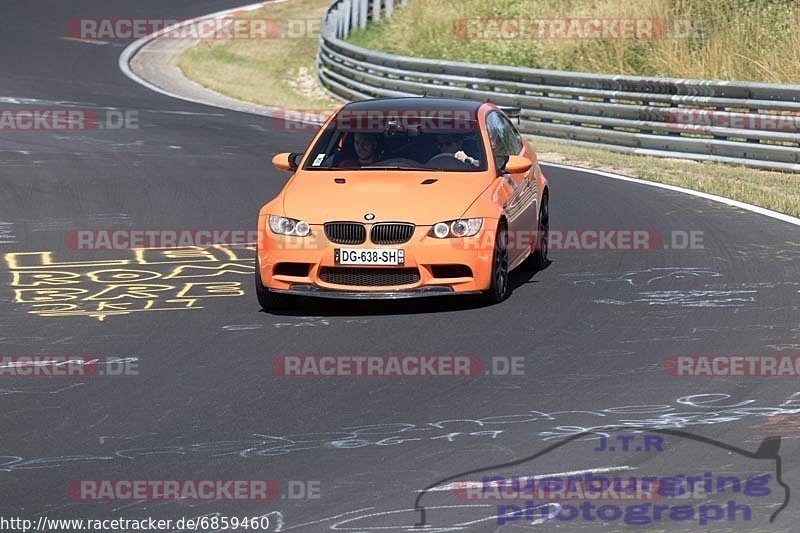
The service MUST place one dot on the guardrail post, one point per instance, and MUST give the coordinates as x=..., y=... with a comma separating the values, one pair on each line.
x=354, y=18
x=335, y=22
x=347, y=11
x=339, y=23
x=376, y=10
x=363, y=9
x=389, y=8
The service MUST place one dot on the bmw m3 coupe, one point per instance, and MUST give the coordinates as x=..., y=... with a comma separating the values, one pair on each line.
x=404, y=197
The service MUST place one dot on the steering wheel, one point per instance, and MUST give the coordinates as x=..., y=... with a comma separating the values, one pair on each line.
x=446, y=161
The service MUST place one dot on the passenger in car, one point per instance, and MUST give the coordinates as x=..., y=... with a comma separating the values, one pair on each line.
x=366, y=150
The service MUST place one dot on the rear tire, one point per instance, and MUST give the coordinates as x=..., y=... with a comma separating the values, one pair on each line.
x=268, y=300
x=499, y=289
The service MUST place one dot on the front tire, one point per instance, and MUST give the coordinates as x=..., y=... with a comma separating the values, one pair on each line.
x=268, y=300
x=499, y=289
x=538, y=260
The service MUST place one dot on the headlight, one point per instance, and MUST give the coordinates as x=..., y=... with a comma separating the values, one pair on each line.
x=466, y=227
x=288, y=226
x=441, y=230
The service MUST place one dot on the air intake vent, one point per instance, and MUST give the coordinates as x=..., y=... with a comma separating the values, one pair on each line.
x=292, y=269
x=369, y=277
x=451, y=271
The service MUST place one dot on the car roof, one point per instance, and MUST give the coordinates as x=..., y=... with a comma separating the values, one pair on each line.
x=415, y=104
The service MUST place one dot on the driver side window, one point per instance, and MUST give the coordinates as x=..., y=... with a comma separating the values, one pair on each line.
x=501, y=148
x=512, y=136
x=497, y=136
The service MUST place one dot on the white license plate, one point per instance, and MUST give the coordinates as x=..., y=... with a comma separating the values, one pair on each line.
x=364, y=256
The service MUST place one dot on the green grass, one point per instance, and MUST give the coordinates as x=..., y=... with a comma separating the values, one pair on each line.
x=774, y=190
x=730, y=39
x=272, y=72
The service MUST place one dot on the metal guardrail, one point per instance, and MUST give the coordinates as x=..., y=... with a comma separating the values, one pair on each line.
x=753, y=124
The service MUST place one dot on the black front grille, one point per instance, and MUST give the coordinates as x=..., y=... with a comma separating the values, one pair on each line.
x=346, y=232
x=369, y=277
x=391, y=233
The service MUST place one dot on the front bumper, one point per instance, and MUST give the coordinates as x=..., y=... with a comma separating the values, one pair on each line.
x=426, y=254
x=400, y=294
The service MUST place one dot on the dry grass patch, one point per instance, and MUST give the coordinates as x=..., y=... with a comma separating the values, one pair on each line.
x=271, y=72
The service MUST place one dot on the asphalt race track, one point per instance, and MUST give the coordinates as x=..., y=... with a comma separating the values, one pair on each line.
x=594, y=328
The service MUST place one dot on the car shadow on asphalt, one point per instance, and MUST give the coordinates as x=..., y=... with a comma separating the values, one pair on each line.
x=323, y=307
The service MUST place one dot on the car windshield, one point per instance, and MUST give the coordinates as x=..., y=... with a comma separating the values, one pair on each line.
x=381, y=140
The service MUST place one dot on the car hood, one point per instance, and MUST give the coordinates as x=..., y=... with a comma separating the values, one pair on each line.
x=423, y=198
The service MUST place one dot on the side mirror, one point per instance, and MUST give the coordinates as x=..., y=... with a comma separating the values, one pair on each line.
x=517, y=164
x=287, y=161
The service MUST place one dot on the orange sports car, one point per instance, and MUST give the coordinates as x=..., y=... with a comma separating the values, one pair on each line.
x=404, y=197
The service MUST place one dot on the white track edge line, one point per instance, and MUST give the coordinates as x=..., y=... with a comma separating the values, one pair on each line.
x=713, y=197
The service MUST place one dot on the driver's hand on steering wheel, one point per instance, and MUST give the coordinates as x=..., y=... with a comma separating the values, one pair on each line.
x=464, y=158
